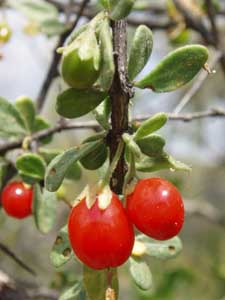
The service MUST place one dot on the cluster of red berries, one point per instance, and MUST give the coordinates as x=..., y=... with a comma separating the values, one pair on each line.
x=103, y=238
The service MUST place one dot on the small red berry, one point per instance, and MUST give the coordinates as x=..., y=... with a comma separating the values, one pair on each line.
x=17, y=200
x=156, y=208
x=101, y=238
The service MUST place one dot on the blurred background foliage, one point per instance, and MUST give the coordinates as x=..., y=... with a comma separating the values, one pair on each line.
x=199, y=271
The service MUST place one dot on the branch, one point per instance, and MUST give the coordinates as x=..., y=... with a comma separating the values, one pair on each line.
x=67, y=125
x=8, y=252
x=53, y=72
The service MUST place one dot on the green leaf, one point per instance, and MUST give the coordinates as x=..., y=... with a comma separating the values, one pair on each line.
x=161, y=249
x=3, y=170
x=49, y=154
x=52, y=27
x=11, y=122
x=151, y=145
x=27, y=110
x=131, y=144
x=96, y=282
x=76, y=292
x=59, y=166
x=61, y=252
x=35, y=10
x=74, y=172
x=44, y=209
x=74, y=103
x=176, y=69
x=120, y=9
x=152, y=164
x=151, y=125
x=42, y=124
x=102, y=113
x=105, y=3
x=31, y=165
x=95, y=137
x=140, y=273
x=107, y=69
x=95, y=159
x=75, y=33
x=141, y=49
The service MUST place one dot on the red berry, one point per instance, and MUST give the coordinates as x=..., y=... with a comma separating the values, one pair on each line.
x=156, y=208
x=101, y=238
x=17, y=200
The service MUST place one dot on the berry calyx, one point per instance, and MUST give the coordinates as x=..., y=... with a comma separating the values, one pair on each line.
x=17, y=200
x=156, y=208
x=101, y=238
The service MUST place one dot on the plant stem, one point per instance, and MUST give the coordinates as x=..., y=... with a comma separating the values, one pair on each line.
x=120, y=93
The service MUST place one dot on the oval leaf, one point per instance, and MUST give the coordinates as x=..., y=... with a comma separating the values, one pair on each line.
x=76, y=292
x=141, y=49
x=161, y=249
x=59, y=166
x=31, y=165
x=102, y=113
x=120, y=9
x=74, y=103
x=176, y=69
x=61, y=251
x=164, y=161
x=131, y=144
x=11, y=122
x=74, y=172
x=151, y=125
x=44, y=209
x=95, y=159
x=140, y=273
x=151, y=145
x=27, y=110
x=40, y=124
x=96, y=282
x=107, y=69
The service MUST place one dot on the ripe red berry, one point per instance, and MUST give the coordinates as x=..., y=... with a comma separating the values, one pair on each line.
x=17, y=200
x=156, y=208
x=101, y=238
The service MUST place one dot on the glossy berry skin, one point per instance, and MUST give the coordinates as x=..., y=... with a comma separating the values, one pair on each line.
x=17, y=200
x=101, y=238
x=156, y=208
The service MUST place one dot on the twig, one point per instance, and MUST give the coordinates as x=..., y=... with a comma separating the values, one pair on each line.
x=8, y=252
x=53, y=72
x=196, y=85
x=67, y=125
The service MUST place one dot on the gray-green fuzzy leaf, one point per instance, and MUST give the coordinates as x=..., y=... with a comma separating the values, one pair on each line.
x=31, y=165
x=107, y=69
x=44, y=209
x=151, y=125
x=74, y=103
x=52, y=27
x=76, y=292
x=95, y=159
x=120, y=9
x=96, y=282
x=141, y=49
x=176, y=69
x=61, y=251
x=35, y=10
x=140, y=273
x=161, y=249
x=59, y=166
x=151, y=145
x=40, y=124
x=164, y=161
x=11, y=122
x=102, y=113
x=27, y=110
